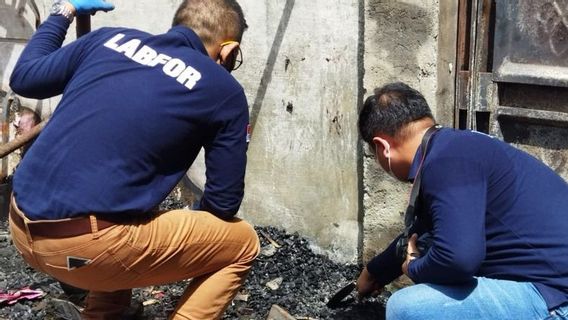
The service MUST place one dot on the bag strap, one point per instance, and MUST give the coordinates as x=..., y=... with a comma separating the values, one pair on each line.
x=410, y=215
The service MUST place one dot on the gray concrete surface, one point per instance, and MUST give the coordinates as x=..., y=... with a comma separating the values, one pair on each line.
x=400, y=45
x=302, y=172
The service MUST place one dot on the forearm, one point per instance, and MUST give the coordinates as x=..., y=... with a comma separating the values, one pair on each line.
x=225, y=175
x=447, y=264
x=224, y=210
x=34, y=69
x=386, y=266
x=45, y=67
x=226, y=157
x=454, y=253
x=455, y=194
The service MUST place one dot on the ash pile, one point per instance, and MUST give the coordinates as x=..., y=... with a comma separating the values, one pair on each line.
x=287, y=274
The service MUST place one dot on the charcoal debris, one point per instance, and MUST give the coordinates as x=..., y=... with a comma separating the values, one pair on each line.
x=305, y=282
x=308, y=282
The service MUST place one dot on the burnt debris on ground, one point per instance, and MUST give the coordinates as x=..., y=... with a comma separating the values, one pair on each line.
x=286, y=273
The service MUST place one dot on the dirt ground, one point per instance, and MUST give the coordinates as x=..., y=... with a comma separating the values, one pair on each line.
x=291, y=276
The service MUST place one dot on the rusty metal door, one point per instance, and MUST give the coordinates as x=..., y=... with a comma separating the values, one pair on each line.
x=512, y=79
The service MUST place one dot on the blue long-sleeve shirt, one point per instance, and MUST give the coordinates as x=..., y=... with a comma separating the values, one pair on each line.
x=496, y=212
x=135, y=111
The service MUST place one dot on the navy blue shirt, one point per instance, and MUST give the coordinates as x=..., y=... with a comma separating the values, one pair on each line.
x=135, y=111
x=495, y=211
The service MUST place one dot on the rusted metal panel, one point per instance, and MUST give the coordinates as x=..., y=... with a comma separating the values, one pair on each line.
x=462, y=90
x=534, y=97
x=531, y=42
x=543, y=117
x=540, y=133
x=463, y=42
x=446, y=62
x=462, y=64
x=484, y=92
x=513, y=76
x=474, y=82
x=534, y=118
x=482, y=60
x=462, y=99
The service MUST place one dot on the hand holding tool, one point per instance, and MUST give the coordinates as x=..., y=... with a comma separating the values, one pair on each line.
x=83, y=7
x=338, y=298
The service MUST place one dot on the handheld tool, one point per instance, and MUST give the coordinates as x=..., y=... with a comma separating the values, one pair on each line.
x=338, y=299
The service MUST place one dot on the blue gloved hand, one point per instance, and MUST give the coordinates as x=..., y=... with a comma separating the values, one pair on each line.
x=91, y=6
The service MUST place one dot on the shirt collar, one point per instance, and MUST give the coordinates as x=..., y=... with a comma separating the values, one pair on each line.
x=418, y=157
x=191, y=37
x=415, y=164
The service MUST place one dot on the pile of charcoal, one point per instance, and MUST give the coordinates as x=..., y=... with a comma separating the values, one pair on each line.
x=286, y=273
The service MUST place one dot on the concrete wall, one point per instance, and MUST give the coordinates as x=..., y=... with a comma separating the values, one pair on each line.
x=303, y=74
x=302, y=172
x=17, y=23
x=401, y=42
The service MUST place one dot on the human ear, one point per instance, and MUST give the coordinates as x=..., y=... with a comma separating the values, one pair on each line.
x=228, y=54
x=380, y=142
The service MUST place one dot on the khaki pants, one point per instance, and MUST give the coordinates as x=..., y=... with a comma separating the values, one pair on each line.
x=173, y=246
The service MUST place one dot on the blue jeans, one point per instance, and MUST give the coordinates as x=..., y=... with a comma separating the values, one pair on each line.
x=483, y=298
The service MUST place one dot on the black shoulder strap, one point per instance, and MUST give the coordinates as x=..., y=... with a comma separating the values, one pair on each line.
x=410, y=215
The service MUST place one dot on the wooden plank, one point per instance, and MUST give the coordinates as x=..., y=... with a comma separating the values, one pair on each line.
x=446, y=64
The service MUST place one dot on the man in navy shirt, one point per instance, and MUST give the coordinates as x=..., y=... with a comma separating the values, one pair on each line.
x=497, y=215
x=135, y=111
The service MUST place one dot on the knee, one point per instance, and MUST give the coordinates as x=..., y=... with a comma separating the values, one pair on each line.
x=252, y=243
x=408, y=303
x=398, y=305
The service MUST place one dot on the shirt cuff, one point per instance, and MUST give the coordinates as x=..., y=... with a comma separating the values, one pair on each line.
x=385, y=267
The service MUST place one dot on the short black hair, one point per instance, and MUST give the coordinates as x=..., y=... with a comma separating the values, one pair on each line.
x=390, y=108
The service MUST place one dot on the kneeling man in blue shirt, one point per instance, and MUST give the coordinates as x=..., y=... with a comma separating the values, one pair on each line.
x=497, y=216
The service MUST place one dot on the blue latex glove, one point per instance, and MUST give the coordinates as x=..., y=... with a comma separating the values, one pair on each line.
x=91, y=6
